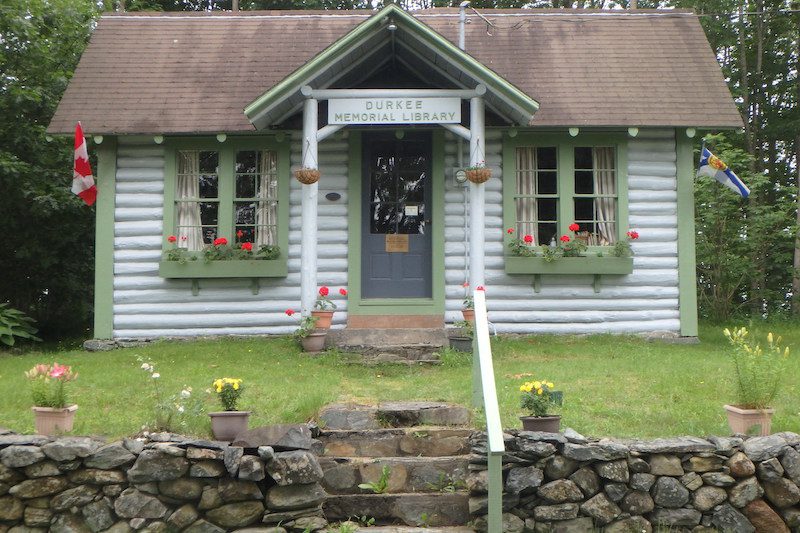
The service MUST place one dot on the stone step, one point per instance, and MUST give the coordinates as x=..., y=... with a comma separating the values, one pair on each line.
x=406, y=474
x=396, y=442
x=432, y=509
x=409, y=529
x=353, y=337
x=392, y=414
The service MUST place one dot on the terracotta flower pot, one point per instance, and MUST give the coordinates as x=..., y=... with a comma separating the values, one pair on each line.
x=479, y=175
x=225, y=425
x=741, y=420
x=324, y=319
x=548, y=424
x=54, y=421
x=314, y=342
x=469, y=314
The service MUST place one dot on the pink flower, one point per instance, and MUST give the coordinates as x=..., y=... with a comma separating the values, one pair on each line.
x=510, y=231
x=247, y=246
x=574, y=227
x=239, y=234
x=528, y=239
x=220, y=241
x=59, y=371
x=172, y=238
x=465, y=284
x=565, y=238
x=480, y=288
x=323, y=291
x=290, y=312
x=633, y=234
x=343, y=291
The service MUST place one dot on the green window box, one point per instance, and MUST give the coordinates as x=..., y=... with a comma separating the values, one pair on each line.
x=252, y=268
x=569, y=265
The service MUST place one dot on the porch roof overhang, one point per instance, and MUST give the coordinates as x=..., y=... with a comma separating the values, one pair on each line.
x=371, y=45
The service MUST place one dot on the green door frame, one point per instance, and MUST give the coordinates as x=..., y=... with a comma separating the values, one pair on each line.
x=395, y=306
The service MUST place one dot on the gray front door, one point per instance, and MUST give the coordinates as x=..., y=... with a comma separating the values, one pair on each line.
x=396, y=233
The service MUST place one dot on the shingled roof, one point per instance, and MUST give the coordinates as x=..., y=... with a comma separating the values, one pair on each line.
x=195, y=73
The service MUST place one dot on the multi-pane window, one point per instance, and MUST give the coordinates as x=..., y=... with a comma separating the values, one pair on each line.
x=595, y=196
x=197, y=198
x=255, y=208
x=226, y=193
x=536, y=193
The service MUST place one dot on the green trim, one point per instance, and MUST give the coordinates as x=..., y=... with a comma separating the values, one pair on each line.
x=223, y=269
x=395, y=306
x=226, y=151
x=687, y=267
x=104, y=239
x=349, y=41
x=569, y=265
x=564, y=143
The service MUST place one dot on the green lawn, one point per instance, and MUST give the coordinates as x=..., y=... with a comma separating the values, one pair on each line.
x=614, y=386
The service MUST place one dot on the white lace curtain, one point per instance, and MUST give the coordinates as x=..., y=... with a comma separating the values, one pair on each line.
x=190, y=234
x=604, y=184
x=266, y=212
x=526, y=186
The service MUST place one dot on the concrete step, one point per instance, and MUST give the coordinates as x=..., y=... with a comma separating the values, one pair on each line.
x=392, y=414
x=396, y=442
x=352, y=337
x=406, y=474
x=432, y=509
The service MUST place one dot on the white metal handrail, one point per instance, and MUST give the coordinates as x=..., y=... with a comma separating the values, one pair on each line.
x=484, y=394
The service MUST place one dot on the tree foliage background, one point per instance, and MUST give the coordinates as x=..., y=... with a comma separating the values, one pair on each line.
x=747, y=250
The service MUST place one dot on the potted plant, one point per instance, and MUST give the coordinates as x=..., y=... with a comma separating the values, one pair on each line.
x=478, y=173
x=53, y=414
x=758, y=373
x=324, y=307
x=538, y=397
x=468, y=309
x=311, y=339
x=227, y=424
x=462, y=339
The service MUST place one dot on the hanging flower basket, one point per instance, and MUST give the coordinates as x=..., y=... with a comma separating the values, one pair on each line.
x=307, y=176
x=479, y=175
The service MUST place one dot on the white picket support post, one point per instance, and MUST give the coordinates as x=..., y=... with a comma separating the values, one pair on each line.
x=477, y=154
x=308, y=239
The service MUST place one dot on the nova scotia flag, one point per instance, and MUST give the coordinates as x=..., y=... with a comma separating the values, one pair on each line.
x=713, y=167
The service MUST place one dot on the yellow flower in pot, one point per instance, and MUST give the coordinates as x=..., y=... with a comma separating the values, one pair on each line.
x=538, y=398
x=758, y=373
x=228, y=423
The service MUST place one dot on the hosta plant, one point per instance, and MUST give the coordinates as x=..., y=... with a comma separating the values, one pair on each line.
x=14, y=325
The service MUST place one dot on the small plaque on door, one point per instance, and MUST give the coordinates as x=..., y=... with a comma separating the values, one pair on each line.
x=396, y=243
x=412, y=211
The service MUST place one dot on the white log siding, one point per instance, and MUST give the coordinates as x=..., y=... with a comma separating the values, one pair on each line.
x=146, y=305
x=644, y=301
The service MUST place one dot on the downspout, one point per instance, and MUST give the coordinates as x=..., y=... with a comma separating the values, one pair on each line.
x=462, y=21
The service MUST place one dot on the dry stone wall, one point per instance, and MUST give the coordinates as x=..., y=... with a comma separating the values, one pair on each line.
x=557, y=482
x=267, y=480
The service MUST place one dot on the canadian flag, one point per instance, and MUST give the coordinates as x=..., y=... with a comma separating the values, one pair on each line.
x=82, y=179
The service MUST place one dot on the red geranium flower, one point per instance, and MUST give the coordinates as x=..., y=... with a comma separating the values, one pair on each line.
x=465, y=284
x=528, y=239
x=290, y=312
x=565, y=238
x=574, y=227
x=510, y=231
x=633, y=234
x=221, y=241
x=247, y=246
x=323, y=291
x=240, y=234
x=480, y=288
x=343, y=291
x=172, y=238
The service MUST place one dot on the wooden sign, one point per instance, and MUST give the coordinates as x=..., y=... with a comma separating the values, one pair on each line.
x=394, y=111
x=396, y=243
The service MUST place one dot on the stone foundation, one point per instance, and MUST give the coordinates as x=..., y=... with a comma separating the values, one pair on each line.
x=565, y=483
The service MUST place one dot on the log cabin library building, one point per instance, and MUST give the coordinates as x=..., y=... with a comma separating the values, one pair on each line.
x=200, y=121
